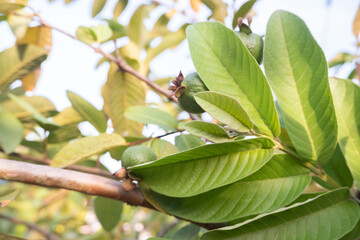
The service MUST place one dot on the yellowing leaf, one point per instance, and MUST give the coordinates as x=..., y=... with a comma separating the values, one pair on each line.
x=39, y=35
x=195, y=5
x=85, y=147
x=10, y=5
x=121, y=91
x=356, y=23
x=8, y=198
x=67, y=116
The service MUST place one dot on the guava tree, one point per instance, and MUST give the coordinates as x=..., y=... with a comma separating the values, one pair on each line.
x=279, y=159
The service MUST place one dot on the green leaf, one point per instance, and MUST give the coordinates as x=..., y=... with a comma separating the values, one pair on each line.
x=88, y=111
x=297, y=71
x=346, y=97
x=121, y=91
x=340, y=59
x=35, y=114
x=328, y=216
x=218, y=8
x=188, y=232
x=11, y=131
x=185, y=141
x=86, y=35
x=8, y=197
x=10, y=5
x=201, y=169
x=207, y=130
x=98, y=5
x=108, y=212
x=243, y=10
x=354, y=234
x=18, y=61
x=136, y=30
x=119, y=8
x=275, y=185
x=117, y=29
x=85, y=147
x=225, y=109
x=102, y=32
x=337, y=169
x=161, y=147
x=226, y=66
x=18, y=91
x=41, y=104
x=149, y=115
x=67, y=116
x=169, y=40
x=64, y=134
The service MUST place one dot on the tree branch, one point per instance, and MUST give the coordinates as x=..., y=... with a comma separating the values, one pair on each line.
x=48, y=235
x=71, y=180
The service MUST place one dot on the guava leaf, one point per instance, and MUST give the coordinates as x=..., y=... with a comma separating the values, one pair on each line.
x=97, y=6
x=225, y=109
x=328, y=216
x=121, y=91
x=207, y=130
x=88, y=111
x=275, y=185
x=108, y=212
x=85, y=147
x=188, y=232
x=67, y=116
x=201, y=169
x=10, y=5
x=297, y=71
x=243, y=10
x=8, y=198
x=185, y=141
x=11, y=131
x=161, y=147
x=226, y=66
x=151, y=115
x=18, y=61
x=346, y=95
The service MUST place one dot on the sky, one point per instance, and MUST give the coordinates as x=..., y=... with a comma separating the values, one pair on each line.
x=71, y=64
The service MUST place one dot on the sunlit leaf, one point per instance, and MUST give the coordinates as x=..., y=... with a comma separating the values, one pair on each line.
x=185, y=141
x=64, y=134
x=86, y=147
x=97, y=6
x=86, y=35
x=8, y=198
x=328, y=216
x=218, y=8
x=119, y=8
x=11, y=5
x=102, y=32
x=18, y=61
x=11, y=131
x=108, y=212
x=121, y=91
x=18, y=23
x=161, y=147
x=243, y=10
x=151, y=115
x=340, y=59
x=207, y=130
x=67, y=116
x=88, y=111
x=225, y=109
x=201, y=169
x=226, y=66
x=297, y=71
x=279, y=182
x=346, y=97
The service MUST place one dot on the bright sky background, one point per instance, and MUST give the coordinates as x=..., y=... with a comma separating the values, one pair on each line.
x=71, y=64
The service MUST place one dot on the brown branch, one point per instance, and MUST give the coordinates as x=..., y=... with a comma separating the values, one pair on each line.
x=72, y=180
x=48, y=235
x=118, y=60
x=46, y=176
x=47, y=161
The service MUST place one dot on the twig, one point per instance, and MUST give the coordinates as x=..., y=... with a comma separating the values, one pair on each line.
x=48, y=235
x=118, y=60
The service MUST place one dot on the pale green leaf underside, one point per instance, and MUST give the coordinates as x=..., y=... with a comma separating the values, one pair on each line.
x=201, y=169
x=346, y=96
x=225, y=109
x=11, y=131
x=185, y=141
x=275, y=185
x=88, y=111
x=226, y=66
x=297, y=71
x=149, y=115
x=207, y=130
x=108, y=212
x=328, y=216
x=121, y=91
x=18, y=61
x=86, y=147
